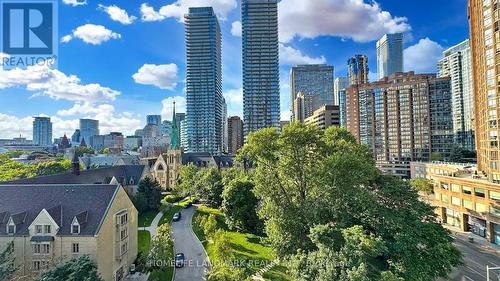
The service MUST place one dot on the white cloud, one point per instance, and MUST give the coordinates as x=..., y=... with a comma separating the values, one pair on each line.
x=55, y=84
x=291, y=56
x=12, y=126
x=354, y=19
x=74, y=3
x=163, y=76
x=236, y=28
x=423, y=56
x=86, y=108
x=91, y=34
x=168, y=106
x=234, y=101
x=180, y=8
x=117, y=14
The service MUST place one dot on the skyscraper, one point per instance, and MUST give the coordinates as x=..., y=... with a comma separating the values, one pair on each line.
x=457, y=64
x=88, y=129
x=261, y=92
x=235, y=134
x=389, y=55
x=153, y=120
x=357, y=70
x=339, y=84
x=42, y=131
x=304, y=106
x=204, y=101
x=313, y=80
x=225, y=128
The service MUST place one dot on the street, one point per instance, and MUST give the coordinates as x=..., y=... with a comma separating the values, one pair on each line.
x=476, y=257
x=185, y=241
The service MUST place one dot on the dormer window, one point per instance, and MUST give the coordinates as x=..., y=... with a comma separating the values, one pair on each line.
x=11, y=227
x=75, y=227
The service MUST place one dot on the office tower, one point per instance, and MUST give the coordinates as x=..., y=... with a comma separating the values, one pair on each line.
x=357, y=70
x=75, y=138
x=402, y=118
x=166, y=128
x=225, y=128
x=261, y=92
x=313, y=80
x=339, y=84
x=303, y=106
x=203, y=81
x=88, y=128
x=389, y=55
x=153, y=120
x=457, y=64
x=324, y=117
x=235, y=134
x=42, y=131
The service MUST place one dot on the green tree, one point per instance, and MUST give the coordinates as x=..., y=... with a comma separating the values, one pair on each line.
x=151, y=190
x=422, y=185
x=461, y=155
x=161, y=248
x=209, y=187
x=306, y=178
x=81, y=150
x=51, y=167
x=239, y=206
x=436, y=156
x=105, y=150
x=188, y=180
x=209, y=225
x=78, y=269
x=7, y=269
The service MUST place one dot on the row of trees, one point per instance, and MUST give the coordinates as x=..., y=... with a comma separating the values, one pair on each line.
x=332, y=215
x=12, y=170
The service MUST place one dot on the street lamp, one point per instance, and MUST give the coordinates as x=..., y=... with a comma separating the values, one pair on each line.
x=488, y=268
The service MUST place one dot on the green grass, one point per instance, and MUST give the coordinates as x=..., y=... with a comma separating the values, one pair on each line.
x=161, y=275
x=277, y=273
x=168, y=215
x=146, y=218
x=144, y=241
x=245, y=246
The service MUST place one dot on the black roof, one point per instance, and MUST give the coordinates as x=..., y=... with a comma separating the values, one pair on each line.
x=123, y=174
x=89, y=203
x=205, y=159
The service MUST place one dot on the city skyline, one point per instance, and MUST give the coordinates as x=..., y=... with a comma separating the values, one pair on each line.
x=121, y=101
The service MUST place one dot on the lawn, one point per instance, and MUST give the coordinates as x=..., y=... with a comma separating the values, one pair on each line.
x=146, y=218
x=168, y=215
x=277, y=273
x=246, y=247
x=144, y=241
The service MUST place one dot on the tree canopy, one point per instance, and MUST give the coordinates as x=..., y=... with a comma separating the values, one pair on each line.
x=78, y=269
x=306, y=178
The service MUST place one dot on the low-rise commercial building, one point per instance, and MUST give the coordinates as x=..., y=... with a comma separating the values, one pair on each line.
x=463, y=197
x=324, y=117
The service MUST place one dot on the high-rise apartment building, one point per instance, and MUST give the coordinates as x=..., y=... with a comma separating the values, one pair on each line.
x=314, y=80
x=357, y=70
x=153, y=120
x=225, y=128
x=42, y=131
x=402, y=118
x=389, y=55
x=235, y=134
x=204, y=100
x=338, y=84
x=457, y=64
x=341, y=85
x=88, y=129
x=261, y=90
x=304, y=106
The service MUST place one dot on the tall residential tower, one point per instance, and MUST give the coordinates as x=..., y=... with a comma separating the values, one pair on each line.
x=42, y=131
x=88, y=129
x=261, y=91
x=389, y=55
x=357, y=70
x=204, y=101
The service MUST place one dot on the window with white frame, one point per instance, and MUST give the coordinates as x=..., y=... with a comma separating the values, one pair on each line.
x=47, y=229
x=38, y=229
x=75, y=227
x=75, y=248
x=11, y=228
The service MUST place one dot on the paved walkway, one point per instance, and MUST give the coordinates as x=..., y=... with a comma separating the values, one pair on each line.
x=185, y=241
x=154, y=225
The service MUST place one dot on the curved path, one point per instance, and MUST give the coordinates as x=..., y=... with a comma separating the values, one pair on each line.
x=154, y=225
x=185, y=241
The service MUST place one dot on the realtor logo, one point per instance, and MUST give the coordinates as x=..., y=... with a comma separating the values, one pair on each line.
x=29, y=32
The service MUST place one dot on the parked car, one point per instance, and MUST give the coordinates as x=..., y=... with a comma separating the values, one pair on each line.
x=177, y=216
x=179, y=260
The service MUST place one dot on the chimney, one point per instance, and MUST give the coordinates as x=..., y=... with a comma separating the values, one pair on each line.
x=75, y=164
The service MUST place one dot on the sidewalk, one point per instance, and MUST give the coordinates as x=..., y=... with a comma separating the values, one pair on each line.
x=479, y=242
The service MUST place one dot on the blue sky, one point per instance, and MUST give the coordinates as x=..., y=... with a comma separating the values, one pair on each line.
x=122, y=60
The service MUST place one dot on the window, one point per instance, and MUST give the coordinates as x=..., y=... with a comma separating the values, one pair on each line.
x=481, y=208
x=123, y=234
x=124, y=248
x=494, y=195
x=444, y=186
x=37, y=265
x=455, y=187
x=75, y=248
x=479, y=192
x=45, y=248
x=438, y=196
x=466, y=190
x=468, y=204
x=38, y=229
x=445, y=198
x=75, y=229
x=123, y=219
x=11, y=229
x=495, y=210
x=37, y=249
x=47, y=229
x=455, y=201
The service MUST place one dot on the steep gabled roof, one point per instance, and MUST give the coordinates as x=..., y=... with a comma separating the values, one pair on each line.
x=63, y=202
